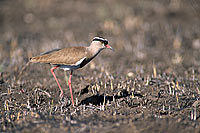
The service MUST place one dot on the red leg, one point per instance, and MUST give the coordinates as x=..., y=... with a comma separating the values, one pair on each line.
x=52, y=69
x=70, y=87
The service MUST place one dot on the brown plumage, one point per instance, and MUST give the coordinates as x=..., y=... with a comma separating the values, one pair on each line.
x=66, y=56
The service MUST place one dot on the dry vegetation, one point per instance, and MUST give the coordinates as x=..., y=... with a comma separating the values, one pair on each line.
x=151, y=83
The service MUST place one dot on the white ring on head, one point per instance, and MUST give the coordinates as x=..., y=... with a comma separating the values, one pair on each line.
x=99, y=39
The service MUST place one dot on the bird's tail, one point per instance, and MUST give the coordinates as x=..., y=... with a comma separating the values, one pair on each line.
x=37, y=59
x=33, y=59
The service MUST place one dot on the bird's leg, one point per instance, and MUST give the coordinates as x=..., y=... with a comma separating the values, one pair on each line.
x=70, y=87
x=52, y=71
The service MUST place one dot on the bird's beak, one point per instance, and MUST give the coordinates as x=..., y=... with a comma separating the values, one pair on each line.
x=109, y=47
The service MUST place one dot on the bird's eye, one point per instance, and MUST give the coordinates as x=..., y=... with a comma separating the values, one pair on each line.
x=105, y=42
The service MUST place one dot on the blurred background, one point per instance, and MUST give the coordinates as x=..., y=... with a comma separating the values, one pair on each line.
x=143, y=32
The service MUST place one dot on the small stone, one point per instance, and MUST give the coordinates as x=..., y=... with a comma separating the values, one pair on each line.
x=130, y=74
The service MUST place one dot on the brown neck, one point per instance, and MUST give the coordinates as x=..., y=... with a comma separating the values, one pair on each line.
x=94, y=49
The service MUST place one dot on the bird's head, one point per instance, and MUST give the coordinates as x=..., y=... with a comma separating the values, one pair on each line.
x=101, y=42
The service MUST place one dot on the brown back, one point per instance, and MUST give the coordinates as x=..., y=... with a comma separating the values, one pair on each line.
x=66, y=56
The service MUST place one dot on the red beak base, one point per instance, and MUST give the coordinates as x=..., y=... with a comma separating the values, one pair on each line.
x=109, y=47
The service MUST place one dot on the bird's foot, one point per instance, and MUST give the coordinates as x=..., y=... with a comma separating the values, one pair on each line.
x=73, y=104
x=61, y=95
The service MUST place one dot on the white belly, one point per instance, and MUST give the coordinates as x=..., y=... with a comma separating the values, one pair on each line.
x=68, y=68
x=74, y=66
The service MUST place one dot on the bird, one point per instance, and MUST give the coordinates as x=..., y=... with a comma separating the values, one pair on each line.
x=72, y=58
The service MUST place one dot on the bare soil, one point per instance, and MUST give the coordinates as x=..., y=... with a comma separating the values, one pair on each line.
x=151, y=83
